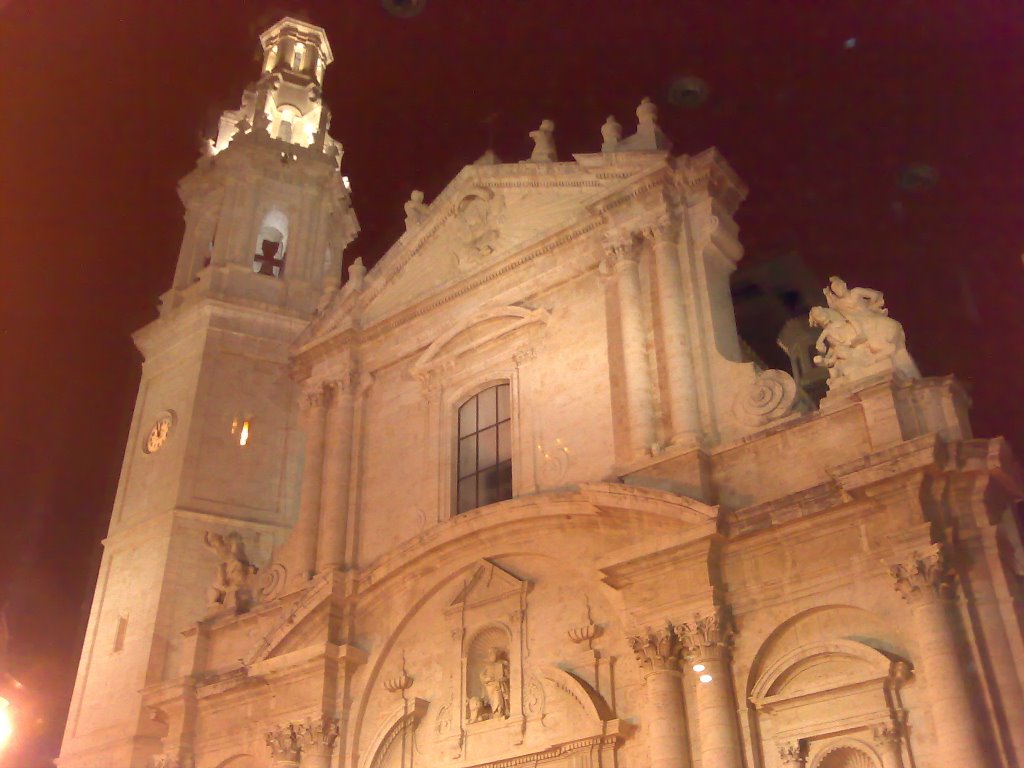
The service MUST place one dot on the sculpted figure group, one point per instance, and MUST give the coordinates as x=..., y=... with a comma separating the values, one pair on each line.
x=858, y=338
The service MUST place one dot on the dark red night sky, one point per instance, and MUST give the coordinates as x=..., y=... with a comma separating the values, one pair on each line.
x=104, y=102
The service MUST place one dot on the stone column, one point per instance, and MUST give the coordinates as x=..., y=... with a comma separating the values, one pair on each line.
x=283, y=742
x=306, y=529
x=887, y=740
x=622, y=256
x=923, y=581
x=791, y=754
x=316, y=741
x=658, y=656
x=707, y=641
x=681, y=398
x=337, y=469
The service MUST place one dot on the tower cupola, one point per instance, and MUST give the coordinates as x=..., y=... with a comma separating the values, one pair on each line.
x=286, y=101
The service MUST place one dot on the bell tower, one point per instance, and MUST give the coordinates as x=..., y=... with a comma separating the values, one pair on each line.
x=214, y=444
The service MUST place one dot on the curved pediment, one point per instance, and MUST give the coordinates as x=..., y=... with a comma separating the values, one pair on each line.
x=479, y=330
x=820, y=666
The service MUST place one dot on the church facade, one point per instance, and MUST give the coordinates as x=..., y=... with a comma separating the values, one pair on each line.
x=515, y=496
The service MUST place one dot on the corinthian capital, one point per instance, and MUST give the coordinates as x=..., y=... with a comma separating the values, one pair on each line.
x=346, y=383
x=921, y=576
x=707, y=636
x=657, y=650
x=318, y=735
x=791, y=754
x=620, y=247
x=315, y=396
x=660, y=227
x=284, y=743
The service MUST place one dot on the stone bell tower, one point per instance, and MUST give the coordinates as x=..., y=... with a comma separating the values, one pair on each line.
x=214, y=446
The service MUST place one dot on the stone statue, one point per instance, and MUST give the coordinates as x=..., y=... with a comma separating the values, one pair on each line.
x=544, y=143
x=647, y=112
x=858, y=338
x=495, y=682
x=415, y=210
x=232, y=585
x=475, y=709
x=611, y=133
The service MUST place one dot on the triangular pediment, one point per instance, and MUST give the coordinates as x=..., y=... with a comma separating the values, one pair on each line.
x=487, y=583
x=484, y=219
x=303, y=620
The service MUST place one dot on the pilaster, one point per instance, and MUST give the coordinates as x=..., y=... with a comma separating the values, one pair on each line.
x=622, y=256
x=923, y=580
x=337, y=468
x=680, y=399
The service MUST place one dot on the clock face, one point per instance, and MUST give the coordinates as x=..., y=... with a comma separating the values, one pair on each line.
x=158, y=434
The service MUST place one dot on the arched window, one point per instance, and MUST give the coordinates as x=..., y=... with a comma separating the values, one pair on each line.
x=485, y=449
x=271, y=244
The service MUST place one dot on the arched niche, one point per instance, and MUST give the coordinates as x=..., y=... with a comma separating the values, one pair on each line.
x=810, y=686
x=487, y=678
x=845, y=753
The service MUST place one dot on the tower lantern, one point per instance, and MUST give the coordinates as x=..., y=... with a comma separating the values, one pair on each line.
x=286, y=101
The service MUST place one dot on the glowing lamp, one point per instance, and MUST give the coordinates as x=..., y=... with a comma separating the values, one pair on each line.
x=6, y=723
x=706, y=678
x=698, y=667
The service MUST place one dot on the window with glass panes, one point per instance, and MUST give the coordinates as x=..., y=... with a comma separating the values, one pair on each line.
x=485, y=449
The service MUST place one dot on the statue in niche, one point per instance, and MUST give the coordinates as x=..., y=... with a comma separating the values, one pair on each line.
x=232, y=584
x=857, y=336
x=415, y=209
x=495, y=682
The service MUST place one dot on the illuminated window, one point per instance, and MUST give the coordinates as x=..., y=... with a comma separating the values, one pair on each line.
x=241, y=429
x=119, y=634
x=320, y=66
x=485, y=449
x=297, y=53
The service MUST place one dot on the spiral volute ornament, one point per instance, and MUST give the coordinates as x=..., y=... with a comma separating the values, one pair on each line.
x=770, y=396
